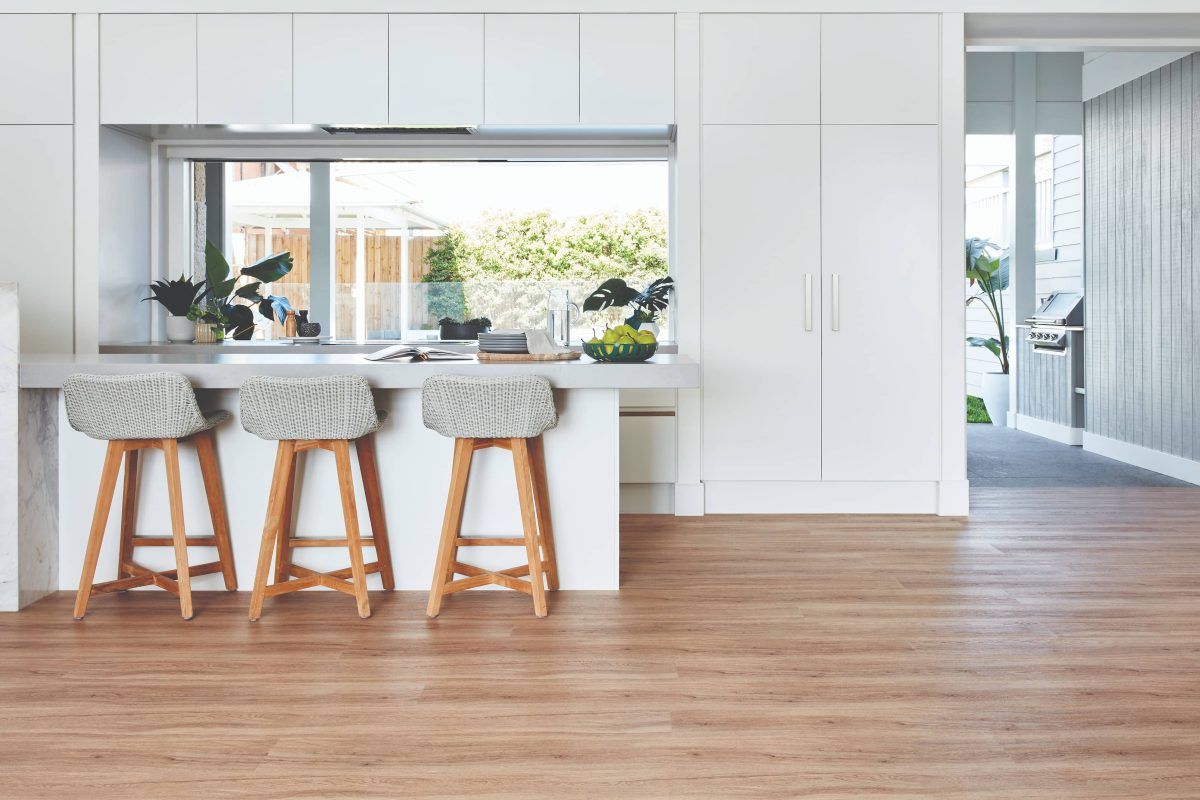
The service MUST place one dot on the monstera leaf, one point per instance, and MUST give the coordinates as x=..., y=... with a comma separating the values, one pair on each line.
x=656, y=296
x=613, y=292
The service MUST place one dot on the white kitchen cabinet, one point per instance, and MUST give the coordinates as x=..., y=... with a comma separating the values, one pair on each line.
x=36, y=211
x=647, y=452
x=880, y=68
x=35, y=69
x=436, y=69
x=881, y=342
x=761, y=68
x=761, y=253
x=627, y=69
x=531, y=69
x=148, y=69
x=340, y=72
x=245, y=68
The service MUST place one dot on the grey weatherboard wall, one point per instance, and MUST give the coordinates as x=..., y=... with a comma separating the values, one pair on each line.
x=1142, y=293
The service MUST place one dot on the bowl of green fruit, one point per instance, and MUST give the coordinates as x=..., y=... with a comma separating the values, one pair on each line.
x=623, y=343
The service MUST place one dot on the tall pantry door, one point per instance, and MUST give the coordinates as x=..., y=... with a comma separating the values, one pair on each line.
x=880, y=346
x=761, y=342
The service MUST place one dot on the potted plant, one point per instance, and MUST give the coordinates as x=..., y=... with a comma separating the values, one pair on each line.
x=450, y=329
x=177, y=297
x=223, y=290
x=989, y=274
x=209, y=321
x=646, y=304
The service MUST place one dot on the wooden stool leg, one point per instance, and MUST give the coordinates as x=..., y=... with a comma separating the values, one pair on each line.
x=368, y=467
x=541, y=497
x=108, y=485
x=520, y=451
x=283, y=541
x=170, y=448
x=283, y=465
x=211, y=473
x=460, y=473
x=128, y=513
x=341, y=452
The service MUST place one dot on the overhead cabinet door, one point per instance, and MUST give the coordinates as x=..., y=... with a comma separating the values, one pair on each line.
x=436, y=69
x=148, y=69
x=761, y=68
x=880, y=347
x=627, y=69
x=341, y=68
x=761, y=346
x=880, y=68
x=35, y=69
x=531, y=68
x=245, y=68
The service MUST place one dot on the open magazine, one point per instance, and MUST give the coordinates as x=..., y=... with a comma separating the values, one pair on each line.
x=414, y=353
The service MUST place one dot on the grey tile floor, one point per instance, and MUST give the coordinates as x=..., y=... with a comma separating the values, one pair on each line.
x=1005, y=457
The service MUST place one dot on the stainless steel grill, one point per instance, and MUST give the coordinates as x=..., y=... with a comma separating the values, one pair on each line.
x=1050, y=326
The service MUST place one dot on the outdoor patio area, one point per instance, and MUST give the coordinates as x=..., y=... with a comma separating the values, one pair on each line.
x=1007, y=458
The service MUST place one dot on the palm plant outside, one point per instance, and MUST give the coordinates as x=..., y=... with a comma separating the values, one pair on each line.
x=988, y=272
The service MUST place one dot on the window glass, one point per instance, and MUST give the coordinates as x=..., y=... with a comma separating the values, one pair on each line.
x=420, y=241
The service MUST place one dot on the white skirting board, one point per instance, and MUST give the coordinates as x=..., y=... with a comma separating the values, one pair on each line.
x=1154, y=460
x=1050, y=430
x=825, y=497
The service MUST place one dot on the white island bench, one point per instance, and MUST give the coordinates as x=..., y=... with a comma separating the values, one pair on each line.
x=581, y=454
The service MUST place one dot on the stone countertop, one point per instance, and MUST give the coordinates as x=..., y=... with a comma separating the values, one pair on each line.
x=209, y=370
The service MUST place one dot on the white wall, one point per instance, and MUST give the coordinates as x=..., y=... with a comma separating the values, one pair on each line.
x=124, y=237
x=1066, y=270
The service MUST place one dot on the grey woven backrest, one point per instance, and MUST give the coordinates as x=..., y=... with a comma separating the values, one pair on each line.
x=461, y=406
x=155, y=405
x=329, y=407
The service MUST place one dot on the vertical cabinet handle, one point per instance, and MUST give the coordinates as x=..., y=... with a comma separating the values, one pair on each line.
x=808, y=300
x=835, y=322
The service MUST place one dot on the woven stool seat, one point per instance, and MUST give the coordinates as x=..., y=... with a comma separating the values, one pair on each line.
x=467, y=407
x=156, y=405
x=331, y=407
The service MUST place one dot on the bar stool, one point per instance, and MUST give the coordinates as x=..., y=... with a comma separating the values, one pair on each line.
x=134, y=413
x=509, y=413
x=326, y=413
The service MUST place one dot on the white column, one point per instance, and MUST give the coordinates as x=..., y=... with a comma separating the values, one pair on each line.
x=1022, y=265
x=405, y=313
x=322, y=266
x=360, y=280
x=87, y=183
x=685, y=258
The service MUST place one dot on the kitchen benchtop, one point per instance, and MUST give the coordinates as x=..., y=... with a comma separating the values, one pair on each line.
x=227, y=371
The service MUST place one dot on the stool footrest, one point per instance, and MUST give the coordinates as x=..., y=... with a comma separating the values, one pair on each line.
x=168, y=541
x=478, y=576
x=324, y=542
x=490, y=541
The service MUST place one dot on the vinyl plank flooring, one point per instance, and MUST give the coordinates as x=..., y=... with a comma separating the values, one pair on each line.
x=1046, y=648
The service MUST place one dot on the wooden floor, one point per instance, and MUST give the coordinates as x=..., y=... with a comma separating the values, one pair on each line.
x=1049, y=648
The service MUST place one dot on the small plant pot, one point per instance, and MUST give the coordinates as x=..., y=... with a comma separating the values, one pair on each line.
x=208, y=333
x=180, y=329
x=460, y=331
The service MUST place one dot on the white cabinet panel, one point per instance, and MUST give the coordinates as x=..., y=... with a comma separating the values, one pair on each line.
x=761, y=68
x=880, y=68
x=436, y=69
x=245, y=68
x=36, y=210
x=627, y=68
x=881, y=361
x=531, y=72
x=148, y=68
x=35, y=69
x=341, y=69
x=647, y=452
x=760, y=213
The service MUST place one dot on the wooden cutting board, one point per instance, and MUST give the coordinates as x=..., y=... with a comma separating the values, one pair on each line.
x=510, y=358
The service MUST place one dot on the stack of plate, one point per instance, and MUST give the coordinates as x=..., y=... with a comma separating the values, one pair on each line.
x=503, y=342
